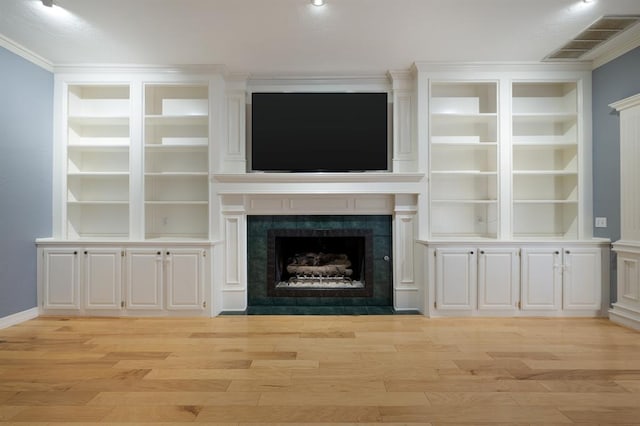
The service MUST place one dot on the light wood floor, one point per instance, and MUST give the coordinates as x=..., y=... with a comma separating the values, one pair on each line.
x=312, y=369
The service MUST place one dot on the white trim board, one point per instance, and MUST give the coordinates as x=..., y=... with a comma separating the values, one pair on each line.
x=19, y=317
x=25, y=53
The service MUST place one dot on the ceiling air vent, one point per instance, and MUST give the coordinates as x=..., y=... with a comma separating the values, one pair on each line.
x=602, y=30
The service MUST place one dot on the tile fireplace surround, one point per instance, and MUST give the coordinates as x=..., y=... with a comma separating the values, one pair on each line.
x=260, y=276
x=389, y=202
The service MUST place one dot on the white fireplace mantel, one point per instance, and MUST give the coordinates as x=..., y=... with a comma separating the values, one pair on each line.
x=243, y=194
x=319, y=183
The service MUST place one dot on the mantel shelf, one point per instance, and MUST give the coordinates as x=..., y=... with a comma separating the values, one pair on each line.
x=319, y=177
x=318, y=183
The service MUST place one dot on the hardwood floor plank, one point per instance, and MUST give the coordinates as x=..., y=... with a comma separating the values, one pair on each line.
x=294, y=364
x=590, y=364
x=479, y=385
x=580, y=386
x=35, y=398
x=337, y=399
x=467, y=399
x=576, y=374
x=312, y=385
x=23, y=385
x=6, y=395
x=218, y=374
x=629, y=385
x=582, y=399
x=145, y=385
x=54, y=413
x=165, y=413
x=473, y=415
x=120, y=356
x=232, y=355
x=285, y=414
x=604, y=416
x=192, y=363
x=69, y=374
x=7, y=412
x=174, y=398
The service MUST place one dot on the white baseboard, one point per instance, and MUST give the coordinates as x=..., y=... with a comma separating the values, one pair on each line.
x=19, y=317
x=624, y=316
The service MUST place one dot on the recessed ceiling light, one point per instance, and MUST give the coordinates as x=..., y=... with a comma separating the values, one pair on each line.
x=48, y=3
x=318, y=2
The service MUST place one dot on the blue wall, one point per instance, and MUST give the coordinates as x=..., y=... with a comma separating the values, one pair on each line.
x=613, y=81
x=26, y=141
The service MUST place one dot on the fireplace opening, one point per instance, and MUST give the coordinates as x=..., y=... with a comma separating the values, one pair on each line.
x=319, y=262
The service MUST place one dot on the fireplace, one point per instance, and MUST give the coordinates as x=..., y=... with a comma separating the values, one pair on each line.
x=320, y=262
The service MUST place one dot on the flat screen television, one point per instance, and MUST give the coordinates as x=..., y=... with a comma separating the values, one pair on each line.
x=319, y=132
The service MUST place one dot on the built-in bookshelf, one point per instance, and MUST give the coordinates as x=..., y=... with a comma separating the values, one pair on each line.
x=464, y=159
x=176, y=129
x=98, y=170
x=545, y=159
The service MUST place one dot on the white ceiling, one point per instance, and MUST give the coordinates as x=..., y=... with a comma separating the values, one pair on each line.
x=292, y=36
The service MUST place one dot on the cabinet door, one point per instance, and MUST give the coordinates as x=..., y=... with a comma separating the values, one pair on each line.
x=498, y=278
x=144, y=279
x=456, y=276
x=61, y=278
x=582, y=284
x=184, y=278
x=541, y=279
x=103, y=278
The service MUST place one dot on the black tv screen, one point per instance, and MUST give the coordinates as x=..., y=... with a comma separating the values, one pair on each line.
x=319, y=132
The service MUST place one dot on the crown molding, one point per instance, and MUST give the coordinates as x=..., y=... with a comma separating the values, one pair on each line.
x=501, y=66
x=140, y=68
x=626, y=103
x=319, y=79
x=25, y=53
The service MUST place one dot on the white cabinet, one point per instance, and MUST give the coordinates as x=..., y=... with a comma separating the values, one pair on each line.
x=121, y=280
x=102, y=278
x=519, y=279
x=184, y=279
x=541, y=279
x=176, y=168
x=134, y=159
x=144, y=279
x=165, y=278
x=76, y=278
x=464, y=159
x=456, y=275
x=556, y=278
x=498, y=278
x=508, y=157
x=131, y=173
x=545, y=143
x=582, y=279
x=97, y=160
x=476, y=279
x=60, y=279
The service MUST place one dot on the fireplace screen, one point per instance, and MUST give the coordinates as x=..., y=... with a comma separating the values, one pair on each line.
x=311, y=262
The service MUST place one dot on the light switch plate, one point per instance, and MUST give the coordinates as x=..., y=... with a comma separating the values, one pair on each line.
x=601, y=222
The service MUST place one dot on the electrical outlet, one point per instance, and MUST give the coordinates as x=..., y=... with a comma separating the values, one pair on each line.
x=601, y=222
